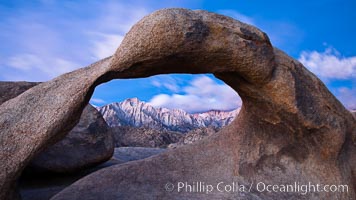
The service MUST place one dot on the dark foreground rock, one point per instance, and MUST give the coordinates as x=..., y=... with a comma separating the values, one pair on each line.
x=9, y=90
x=290, y=127
x=89, y=143
x=39, y=186
x=127, y=154
x=34, y=186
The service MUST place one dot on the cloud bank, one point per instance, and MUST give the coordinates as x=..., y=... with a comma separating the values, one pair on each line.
x=44, y=39
x=331, y=67
x=329, y=64
x=200, y=95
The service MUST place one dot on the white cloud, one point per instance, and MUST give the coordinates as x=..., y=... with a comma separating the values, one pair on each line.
x=329, y=64
x=31, y=67
x=24, y=62
x=347, y=96
x=331, y=67
x=41, y=43
x=113, y=22
x=105, y=45
x=202, y=94
x=238, y=16
x=166, y=81
x=97, y=101
x=156, y=83
x=171, y=87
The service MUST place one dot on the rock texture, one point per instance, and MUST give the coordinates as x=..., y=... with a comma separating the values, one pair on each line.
x=35, y=186
x=127, y=136
x=89, y=143
x=135, y=113
x=126, y=154
x=194, y=136
x=9, y=90
x=290, y=127
x=40, y=117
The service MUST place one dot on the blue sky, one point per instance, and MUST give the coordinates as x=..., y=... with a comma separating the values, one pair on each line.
x=42, y=39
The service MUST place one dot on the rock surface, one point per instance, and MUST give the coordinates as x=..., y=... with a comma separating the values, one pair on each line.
x=126, y=154
x=40, y=117
x=9, y=90
x=35, y=186
x=290, y=127
x=44, y=186
x=136, y=113
x=89, y=143
x=194, y=136
x=127, y=136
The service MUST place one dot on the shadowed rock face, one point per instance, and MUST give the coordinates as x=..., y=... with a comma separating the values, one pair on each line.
x=89, y=143
x=9, y=90
x=40, y=117
x=290, y=128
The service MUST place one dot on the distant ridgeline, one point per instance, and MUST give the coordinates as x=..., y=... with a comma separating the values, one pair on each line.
x=135, y=113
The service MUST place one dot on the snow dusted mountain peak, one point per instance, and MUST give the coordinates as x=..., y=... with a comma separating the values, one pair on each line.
x=136, y=113
x=131, y=102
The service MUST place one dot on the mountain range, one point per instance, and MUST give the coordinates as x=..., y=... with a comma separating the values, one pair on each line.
x=135, y=113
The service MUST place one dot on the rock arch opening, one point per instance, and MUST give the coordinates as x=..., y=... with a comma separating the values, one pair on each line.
x=166, y=110
x=193, y=93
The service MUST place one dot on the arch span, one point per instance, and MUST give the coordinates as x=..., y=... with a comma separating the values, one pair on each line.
x=290, y=129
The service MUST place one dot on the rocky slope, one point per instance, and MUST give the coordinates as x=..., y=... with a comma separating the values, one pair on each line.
x=128, y=136
x=135, y=113
x=194, y=136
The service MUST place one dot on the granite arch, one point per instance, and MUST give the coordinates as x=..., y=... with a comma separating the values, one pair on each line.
x=290, y=125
